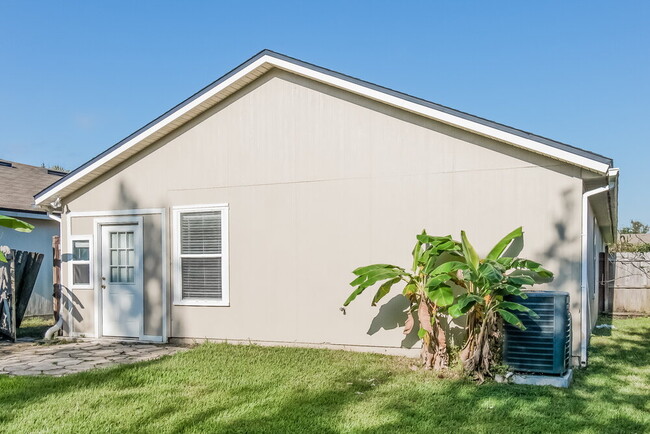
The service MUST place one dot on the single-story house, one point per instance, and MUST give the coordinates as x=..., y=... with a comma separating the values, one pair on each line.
x=19, y=183
x=239, y=214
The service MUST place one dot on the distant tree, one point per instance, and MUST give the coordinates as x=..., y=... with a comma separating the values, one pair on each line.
x=628, y=243
x=55, y=167
x=636, y=227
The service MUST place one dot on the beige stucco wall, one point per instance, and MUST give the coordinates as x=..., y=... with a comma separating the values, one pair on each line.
x=319, y=182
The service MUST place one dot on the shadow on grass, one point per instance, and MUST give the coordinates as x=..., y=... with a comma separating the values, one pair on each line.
x=599, y=401
x=158, y=393
x=604, y=320
x=252, y=389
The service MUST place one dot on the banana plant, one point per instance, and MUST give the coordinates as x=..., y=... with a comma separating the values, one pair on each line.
x=487, y=281
x=15, y=224
x=427, y=295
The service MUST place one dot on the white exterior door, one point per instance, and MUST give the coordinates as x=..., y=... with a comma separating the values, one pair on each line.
x=121, y=281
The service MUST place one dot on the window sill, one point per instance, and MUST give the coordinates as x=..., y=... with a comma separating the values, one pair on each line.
x=199, y=302
x=73, y=287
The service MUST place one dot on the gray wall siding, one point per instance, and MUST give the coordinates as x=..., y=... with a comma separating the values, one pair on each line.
x=39, y=240
x=319, y=182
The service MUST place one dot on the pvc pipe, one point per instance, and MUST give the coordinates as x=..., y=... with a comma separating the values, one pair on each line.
x=585, y=314
x=49, y=334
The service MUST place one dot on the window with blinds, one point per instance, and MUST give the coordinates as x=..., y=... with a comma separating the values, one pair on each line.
x=200, y=255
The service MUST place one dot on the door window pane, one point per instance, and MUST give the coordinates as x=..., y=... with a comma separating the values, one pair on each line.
x=130, y=276
x=122, y=258
x=115, y=276
x=123, y=277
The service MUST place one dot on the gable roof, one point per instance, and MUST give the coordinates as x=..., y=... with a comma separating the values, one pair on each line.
x=262, y=62
x=21, y=182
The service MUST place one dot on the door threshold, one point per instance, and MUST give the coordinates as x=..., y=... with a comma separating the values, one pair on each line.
x=127, y=340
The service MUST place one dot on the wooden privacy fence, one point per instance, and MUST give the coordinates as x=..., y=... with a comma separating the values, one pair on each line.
x=17, y=279
x=625, y=283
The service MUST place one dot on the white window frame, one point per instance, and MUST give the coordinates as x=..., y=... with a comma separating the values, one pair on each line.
x=176, y=256
x=72, y=262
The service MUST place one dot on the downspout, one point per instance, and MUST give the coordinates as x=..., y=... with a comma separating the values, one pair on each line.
x=56, y=327
x=585, y=314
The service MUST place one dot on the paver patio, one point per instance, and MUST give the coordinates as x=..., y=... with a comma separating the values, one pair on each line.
x=57, y=360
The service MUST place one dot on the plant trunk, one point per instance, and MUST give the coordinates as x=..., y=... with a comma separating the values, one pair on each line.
x=434, y=343
x=481, y=351
x=467, y=350
x=427, y=353
x=441, y=357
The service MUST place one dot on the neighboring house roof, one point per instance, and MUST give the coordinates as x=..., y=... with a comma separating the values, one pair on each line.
x=20, y=182
x=634, y=238
x=266, y=60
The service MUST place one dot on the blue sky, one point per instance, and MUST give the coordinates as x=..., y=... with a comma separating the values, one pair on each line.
x=76, y=77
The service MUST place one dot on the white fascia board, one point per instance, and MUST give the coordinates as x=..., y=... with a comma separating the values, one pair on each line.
x=151, y=130
x=341, y=83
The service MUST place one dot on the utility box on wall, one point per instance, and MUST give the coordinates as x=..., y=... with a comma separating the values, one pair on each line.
x=545, y=346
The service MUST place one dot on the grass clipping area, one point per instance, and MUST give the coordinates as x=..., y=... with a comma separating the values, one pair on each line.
x=227, y=388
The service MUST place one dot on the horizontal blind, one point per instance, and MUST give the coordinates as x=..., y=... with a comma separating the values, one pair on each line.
x=201, y=278
x=201, y=233
x=200, y=255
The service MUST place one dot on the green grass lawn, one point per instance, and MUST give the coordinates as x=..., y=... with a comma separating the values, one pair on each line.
x=34, y=326
x=225, y=388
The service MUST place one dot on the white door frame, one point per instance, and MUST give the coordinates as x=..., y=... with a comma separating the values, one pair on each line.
x=99, y=223
x=111, y=216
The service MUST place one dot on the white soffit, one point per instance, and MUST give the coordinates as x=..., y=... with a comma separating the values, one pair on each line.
x=257, y=68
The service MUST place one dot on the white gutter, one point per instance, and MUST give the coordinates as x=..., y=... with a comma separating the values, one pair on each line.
x=585, y=314
x=56, y=219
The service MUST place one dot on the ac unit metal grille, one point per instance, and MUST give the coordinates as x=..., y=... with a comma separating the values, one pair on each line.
x=545, y=346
